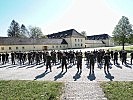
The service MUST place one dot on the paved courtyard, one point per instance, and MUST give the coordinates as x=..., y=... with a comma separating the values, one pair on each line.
x=37, y=72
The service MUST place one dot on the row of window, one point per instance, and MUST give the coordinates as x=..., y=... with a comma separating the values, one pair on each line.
x=78, y=40
x=10, y=48
x=78, y=45
x=58, y=46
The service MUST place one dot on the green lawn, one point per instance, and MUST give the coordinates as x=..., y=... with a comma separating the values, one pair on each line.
x=128, y=48
x=30, y=90
x=118, y=90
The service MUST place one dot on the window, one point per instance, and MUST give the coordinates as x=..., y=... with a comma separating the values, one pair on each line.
x=16, y=48
x=60, y=46
x=2, y=48
x=78, y=44
x=75, y=40
x=75, y=45
x=52, y=46
x=64, y=46
x=10, y=48
x=78, y=40
x=56, y=46
x=22, y=47
x=81, y=45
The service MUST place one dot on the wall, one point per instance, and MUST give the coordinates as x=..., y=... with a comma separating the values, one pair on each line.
x=78, y=43
x=30, y=47
x=94, y=43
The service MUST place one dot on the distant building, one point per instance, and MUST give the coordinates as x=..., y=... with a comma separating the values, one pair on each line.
x=101, y=40
x=8, y=44
x=68, y=39
x=72, y=37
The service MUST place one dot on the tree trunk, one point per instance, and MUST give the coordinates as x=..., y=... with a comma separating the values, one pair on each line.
x=123, y=45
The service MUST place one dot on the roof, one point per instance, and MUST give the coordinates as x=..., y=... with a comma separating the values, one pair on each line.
x=65, y=34
x=30, y=41
x=98, y=37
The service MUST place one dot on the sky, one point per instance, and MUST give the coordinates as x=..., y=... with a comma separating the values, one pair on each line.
x=52, y=16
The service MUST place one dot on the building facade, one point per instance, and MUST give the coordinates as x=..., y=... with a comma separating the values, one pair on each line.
x=68, y=39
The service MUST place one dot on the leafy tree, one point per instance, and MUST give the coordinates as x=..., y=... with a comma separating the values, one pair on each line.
x=122, y=31
x=35, y=32
x=84, y=34
x=24, y=31
x=14, y=29
x=131, y=39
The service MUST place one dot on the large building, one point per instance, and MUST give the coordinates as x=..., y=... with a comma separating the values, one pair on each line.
x=101, y=40
x=68, y=39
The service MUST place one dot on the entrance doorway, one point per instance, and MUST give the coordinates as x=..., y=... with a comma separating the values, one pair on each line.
x=45, y=48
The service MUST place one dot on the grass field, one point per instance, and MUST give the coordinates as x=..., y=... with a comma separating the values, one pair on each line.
x=30, y=90
x=118, y=90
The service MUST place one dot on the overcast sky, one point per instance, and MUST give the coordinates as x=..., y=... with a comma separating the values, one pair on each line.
x=92, y=16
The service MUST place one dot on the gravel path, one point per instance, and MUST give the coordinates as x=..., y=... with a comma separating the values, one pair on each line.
x=83, y=91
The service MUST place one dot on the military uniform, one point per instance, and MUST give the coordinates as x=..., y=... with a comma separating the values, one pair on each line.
x=64, y=62
x=79, y=61
x=92, y=62
x=3, y=58
x=48, y=62
x=115, y=57
x=107, y=61
x=124, y=57
x=13, y=58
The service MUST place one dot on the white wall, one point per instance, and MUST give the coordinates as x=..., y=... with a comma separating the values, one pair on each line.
x=78, y=43
x=94, y=43
x=31, y=47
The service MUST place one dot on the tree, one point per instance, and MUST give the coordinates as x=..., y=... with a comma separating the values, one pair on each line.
x=14, y=29
x=35, y=32
x=84, y=33
x=122, y=31
x=24, y=31
x=131, y=39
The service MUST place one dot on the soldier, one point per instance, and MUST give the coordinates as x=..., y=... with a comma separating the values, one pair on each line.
x=112, y=54
x=92, y=63
x=107, y=61
x=131, y=57
x=99, y=61
x=64, y=61
x=72, y=56
x=37, y=58
x=53, y=54
x=44, y=57
x=20, y=55
x=88, y=57
x=120, y=53
x=13, y=58
x=7, y=57
x=79, y=61
x=48, y=62
x=124, y=57
x=115, y=57
x=29, y=57
x=3, y=58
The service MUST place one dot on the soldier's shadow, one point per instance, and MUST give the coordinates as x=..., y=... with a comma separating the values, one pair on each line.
x=91, y=77
x=70, y=66
x=77, y=75
x=128, y=66
x=41, y=75
x=109, y=76
x=60, y=75
x=118, y=65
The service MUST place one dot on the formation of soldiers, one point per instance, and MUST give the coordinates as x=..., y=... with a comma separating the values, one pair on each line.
x=49, y=58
